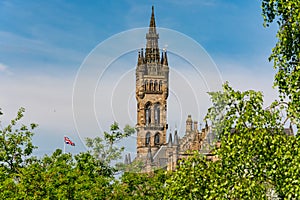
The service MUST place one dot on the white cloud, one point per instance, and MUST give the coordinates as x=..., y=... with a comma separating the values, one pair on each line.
x=3, y=67
x=255, y=75
x=47, y=101
x=14, y=44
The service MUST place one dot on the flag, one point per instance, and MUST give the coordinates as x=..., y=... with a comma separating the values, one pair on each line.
x=68, y=141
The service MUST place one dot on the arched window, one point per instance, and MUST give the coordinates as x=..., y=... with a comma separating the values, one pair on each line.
x=160, y=86
x=156, y=138
x=155, y=86
x=157, y=114
x=151, y=85
x=146, y=85
x=148, y=113
x=147, y=139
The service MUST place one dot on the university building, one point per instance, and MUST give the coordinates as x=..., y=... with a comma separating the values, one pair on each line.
x=154, y=149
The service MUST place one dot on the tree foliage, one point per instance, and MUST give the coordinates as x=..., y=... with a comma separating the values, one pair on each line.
x=140, y=185
x=286, y=53
x=256, y=158
x=254, y=145
x=15, y=143
x=62, y=176
x=105, y=148
x=58, y=176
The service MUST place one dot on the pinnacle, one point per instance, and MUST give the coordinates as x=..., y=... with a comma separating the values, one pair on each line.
x=152, y=21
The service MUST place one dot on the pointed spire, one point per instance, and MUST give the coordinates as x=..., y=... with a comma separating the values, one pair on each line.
x=126, y=160
x=129, y=158
x=149, y=156
x=152, y=25
x=176, y=142
x=170, y=143
x=165, y=62
x=152, y=51
x=152, y=21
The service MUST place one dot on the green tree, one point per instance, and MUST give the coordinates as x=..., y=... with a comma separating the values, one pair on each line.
x=83, y=176
x=194, y=179
x=8, y=187
x=140, y=185
x=105, y=149
x=256, y=156
x=63, y=176
x=15, y=143
x=254, y=143
x=15, y=152
x=58, y=176
x=251, y=138
x=286, y=53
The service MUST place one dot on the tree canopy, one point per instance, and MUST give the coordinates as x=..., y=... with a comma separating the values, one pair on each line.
x=286, y=53
x=56, y=176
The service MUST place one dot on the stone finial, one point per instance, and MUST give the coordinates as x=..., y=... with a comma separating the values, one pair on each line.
x=170, y=143
x=140, y=59
x=176, y=140
x=162, y=58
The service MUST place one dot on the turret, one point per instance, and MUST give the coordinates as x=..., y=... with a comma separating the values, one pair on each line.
x=195, y=125
x=189, y=124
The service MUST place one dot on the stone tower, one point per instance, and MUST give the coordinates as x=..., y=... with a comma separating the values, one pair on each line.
x=152, y=85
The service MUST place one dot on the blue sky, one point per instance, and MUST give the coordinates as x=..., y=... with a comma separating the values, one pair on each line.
x=44, y=43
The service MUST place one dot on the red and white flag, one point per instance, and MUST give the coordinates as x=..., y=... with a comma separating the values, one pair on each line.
x=68, y=141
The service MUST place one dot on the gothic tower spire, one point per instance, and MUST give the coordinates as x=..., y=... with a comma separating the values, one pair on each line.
x=152, y=21
x=152, y=50
x=152, y=89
